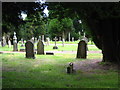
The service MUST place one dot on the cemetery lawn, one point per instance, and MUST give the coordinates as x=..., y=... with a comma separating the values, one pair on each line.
x=47, y=71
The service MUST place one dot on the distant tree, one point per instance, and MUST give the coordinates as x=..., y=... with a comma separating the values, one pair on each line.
x=60, y=28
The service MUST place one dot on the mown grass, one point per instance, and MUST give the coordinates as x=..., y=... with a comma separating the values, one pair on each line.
x=71, y=47
x=47, y=71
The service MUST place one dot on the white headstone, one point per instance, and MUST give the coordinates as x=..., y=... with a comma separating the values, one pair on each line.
x=15, y=46
x=69, y=36
x=48, y=41
x=9, y=43
x=43, y=38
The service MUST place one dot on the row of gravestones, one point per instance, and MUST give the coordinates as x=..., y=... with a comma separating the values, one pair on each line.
x=30, y=53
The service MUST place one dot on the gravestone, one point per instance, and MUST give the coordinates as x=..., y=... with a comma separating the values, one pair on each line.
x=40, y=47
x=48, y=41
x=3, y=41
x=43, y=38
x=63, y=42
x=82, y=50
x=0, y=43
x=55, y=47
x=9, y=43
x=69, y=37
x=36, y=40
x=39, y=38
x=33, y=39
x=72, y=39
x=22, y=43
x=59, y=38
x=15, y=46
x=29, y=48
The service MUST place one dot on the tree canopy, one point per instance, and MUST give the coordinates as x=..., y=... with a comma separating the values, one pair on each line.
x=99, y=20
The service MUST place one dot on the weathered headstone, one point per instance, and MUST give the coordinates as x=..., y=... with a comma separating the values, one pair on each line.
x=33, y=39
x=82, y=50
x=29, y=48
x=43, y=38
x=22, y=43
x=36, y=40
x=55, y=47
x=60, y=39
x=72, y=39
x=69, y=36
x=0, y=43
x=63, y=42
x=15, y=46
x=9, y=44
x=48, y=41
x=39, y=38
x=4, y=41
x=40, y=47
x=79, y=35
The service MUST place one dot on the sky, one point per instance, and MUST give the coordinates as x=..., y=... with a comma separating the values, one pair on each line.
x=45, y=10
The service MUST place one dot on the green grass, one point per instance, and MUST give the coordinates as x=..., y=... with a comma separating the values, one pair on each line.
x=50, y=48
x=48, y=71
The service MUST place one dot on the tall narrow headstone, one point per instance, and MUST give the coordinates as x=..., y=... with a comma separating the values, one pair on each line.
x=43, y=38
x=9, y=43
x=33, y=39
x=69, y=36
x=22, y=43
x=63, y=42
x=40, y=47
x=48, y=41
x=82, y=50
x=36, y=40
x=55, y=47
x=15, y=46
x=39, y=38
x=79, y=35
x=59, y=38
x=29, y=48
x=72, y=39
x=4, y=41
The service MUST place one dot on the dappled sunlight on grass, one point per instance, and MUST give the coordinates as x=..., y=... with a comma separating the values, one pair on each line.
x=44, y=70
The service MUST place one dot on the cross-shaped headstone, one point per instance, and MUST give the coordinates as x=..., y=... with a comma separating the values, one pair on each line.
x=55, y=40
x=55, y=47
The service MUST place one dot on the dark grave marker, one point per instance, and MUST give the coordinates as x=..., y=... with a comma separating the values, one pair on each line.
x=30, y=50
x=82, y=50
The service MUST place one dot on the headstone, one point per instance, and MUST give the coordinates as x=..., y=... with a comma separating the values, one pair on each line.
x=29, y=48
x=9, y=44
x=48, y=41
x=69, y=36
x=85, y=39
x=3, y=41
x=72, y=39
x=63, y=41
x=22, y=43
x=35, y=40
x=15, y=46
x=60, y=39
x=43, y=38
x=55, y=47
x=40, y=47
x=79, y=35
x=39, y=37
x=82, y=50
x=0, y=43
